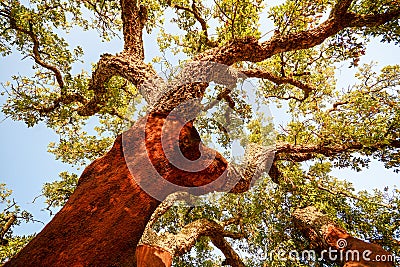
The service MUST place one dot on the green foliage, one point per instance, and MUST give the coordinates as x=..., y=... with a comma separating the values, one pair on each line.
x=264, y=215
x=58, y=192
x=14, y=245
x=10, y=244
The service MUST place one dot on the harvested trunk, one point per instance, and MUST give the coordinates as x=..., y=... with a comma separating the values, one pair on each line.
x=151, y=256
x=335, y=244
x=104, y=219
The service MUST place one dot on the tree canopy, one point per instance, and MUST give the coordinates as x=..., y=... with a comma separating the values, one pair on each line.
x=293, y=62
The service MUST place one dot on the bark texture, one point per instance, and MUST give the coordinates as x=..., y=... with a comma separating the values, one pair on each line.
x=151, y=256
x=152, y=244
x=104, y=219
x=326, y=235
x=159, y=247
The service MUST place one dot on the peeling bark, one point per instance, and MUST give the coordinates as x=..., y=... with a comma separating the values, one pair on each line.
x=326, y=236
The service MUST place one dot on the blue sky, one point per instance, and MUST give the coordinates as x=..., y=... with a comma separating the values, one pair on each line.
x=26, y=164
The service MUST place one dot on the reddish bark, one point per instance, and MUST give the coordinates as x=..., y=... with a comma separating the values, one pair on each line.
x=148, y=256
x=105, y=217
x=374, y=255
x=327, y=237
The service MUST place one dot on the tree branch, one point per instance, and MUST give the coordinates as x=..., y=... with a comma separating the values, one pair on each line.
x=35, y=50
x=249, y=49
x=255, y=73
x=340, y=8
x=123, y=65
x=231, y=257
x=183, y=241
x=257, y=159
x=346, y=193
x=371, y=20
x=166, y=205
x=134, y=18
x=300, y=153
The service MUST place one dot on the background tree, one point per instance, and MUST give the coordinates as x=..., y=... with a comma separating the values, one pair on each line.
x=295, y=62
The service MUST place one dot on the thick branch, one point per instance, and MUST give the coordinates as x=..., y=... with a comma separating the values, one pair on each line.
x=299, y=153
x=166, y=205
x=183, y=241
x=340, y=8
x=249, y=49
x=123, y=65
x=134, y=19
x=371, y=20
x=257, y=159
x=108, y=66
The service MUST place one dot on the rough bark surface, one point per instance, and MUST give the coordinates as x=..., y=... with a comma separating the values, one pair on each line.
x=150, y=256
x=158, y=246
x=104, y=219
x=326, y=235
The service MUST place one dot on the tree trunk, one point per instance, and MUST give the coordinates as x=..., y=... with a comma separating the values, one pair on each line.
x=104, y=219
x=150, y=256
x=335, y=244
